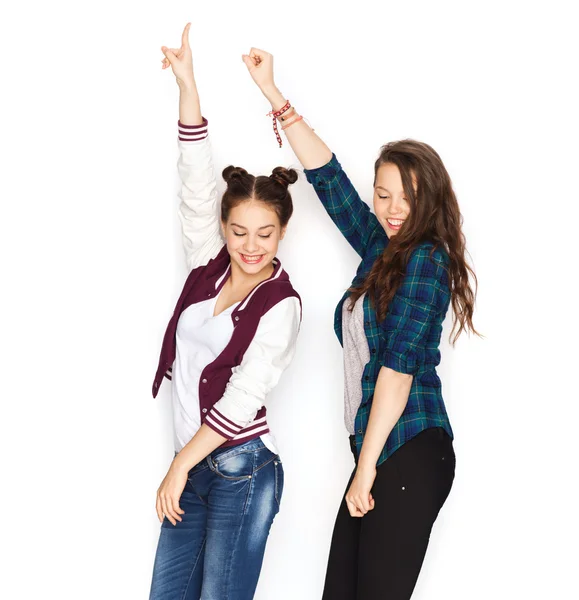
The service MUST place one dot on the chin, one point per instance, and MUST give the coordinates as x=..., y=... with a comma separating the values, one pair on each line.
x=252, y=269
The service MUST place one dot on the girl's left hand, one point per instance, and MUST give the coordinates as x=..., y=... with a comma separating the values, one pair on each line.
x=359, y=499
x=169, y=494
x=259, y=63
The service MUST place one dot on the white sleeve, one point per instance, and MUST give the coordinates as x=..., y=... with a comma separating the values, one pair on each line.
x=200, y=227
x=270, y=352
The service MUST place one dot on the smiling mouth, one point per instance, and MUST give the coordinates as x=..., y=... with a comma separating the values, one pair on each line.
x=251, y=260
x=394, y=223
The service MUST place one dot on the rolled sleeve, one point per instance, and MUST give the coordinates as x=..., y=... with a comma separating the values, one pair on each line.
x=418, y=305
x=323, y=177
x=269, y=354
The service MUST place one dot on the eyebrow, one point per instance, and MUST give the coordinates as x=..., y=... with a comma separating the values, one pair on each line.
x=242, y=227
x=386, y=190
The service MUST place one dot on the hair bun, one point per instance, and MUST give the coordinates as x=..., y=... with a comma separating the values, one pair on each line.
x=284, y=176
x=232, y=172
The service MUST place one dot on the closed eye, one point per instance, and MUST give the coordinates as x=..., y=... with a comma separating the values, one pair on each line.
x=265, y=237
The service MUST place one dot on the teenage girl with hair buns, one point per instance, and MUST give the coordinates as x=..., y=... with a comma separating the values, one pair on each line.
x=232, y=334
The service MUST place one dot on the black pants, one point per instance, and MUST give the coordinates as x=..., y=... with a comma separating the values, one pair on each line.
x=379, y=556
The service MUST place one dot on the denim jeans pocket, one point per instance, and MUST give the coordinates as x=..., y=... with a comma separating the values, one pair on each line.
x=279, y=480
x=235, y=466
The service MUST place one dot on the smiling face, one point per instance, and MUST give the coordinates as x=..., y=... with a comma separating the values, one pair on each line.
x=252, y=233
x=391, y=204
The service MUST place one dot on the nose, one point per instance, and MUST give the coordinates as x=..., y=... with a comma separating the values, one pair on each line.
x=396, y=206
x=250, y=245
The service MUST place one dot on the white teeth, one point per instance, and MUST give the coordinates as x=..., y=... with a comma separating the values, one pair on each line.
x=395, y=222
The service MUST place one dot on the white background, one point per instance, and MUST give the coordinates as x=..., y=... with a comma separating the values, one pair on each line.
x=92, y=266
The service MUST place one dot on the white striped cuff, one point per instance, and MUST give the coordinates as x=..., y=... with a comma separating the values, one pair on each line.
x=193, y=133
x=221, y=424
x=259, y=426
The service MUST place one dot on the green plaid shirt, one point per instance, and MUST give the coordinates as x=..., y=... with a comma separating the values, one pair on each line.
x=407, y=340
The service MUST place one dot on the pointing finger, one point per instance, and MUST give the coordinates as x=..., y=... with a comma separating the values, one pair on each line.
x=185, y=36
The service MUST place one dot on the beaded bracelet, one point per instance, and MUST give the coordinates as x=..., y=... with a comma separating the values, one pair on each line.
x=299, y=118
x=287, y=115
x=275, y=114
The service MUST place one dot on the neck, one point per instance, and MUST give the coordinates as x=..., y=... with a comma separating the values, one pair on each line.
x=240, y=278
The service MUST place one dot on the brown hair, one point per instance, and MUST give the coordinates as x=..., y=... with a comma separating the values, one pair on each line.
x=434, y=217
x=272, y=190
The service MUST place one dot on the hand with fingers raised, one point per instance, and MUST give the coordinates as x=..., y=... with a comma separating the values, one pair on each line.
x=180, y=60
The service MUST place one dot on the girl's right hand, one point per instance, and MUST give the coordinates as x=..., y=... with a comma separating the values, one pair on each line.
x=180, y=60
x=259, y=63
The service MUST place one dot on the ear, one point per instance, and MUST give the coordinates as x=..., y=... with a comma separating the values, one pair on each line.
x=283, y=230
x=223, y=229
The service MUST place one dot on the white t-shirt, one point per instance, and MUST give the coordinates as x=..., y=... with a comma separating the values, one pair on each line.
x=202, y=337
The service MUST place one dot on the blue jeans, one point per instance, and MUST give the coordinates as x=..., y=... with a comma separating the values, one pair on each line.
x=216, y=551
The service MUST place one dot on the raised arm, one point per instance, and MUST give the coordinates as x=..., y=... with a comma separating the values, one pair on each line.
x=198, y=208
x=351, y=215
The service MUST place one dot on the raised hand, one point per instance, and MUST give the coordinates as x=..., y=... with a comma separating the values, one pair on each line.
x=259, y=63
x=180, y=60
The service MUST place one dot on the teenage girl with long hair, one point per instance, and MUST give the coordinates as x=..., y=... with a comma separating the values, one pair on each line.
x=389, y=322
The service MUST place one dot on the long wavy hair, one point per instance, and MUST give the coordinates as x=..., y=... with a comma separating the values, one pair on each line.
x=434, y=217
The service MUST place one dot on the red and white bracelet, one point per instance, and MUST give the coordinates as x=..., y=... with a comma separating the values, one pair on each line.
x=276, y=114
